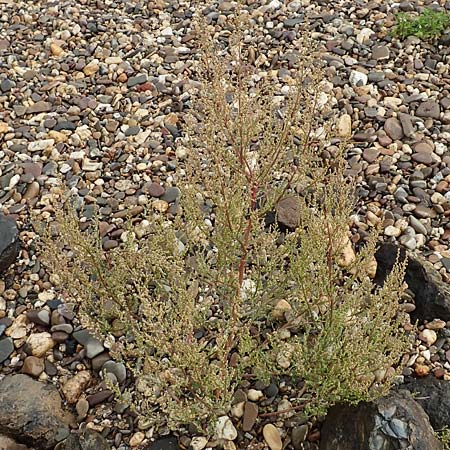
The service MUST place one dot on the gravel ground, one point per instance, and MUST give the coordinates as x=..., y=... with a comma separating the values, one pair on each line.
x=94, y=93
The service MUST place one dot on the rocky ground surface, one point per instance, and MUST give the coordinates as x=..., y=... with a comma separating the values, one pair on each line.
x=93, y=93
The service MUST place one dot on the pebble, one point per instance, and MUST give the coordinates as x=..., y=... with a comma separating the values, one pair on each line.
x=137, y=439
x=6, y=348
x=250, y=416
x=40, y=343
x=82, y=408
x=33, y=366
x=428, y=336
x=272, y=437
x=199, y=443
x=225, y=429
x=92, y=345
x=74, y=387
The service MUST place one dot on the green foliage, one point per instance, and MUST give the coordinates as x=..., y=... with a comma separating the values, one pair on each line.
x=208, y=297
x=429, y=24
x=444, y=436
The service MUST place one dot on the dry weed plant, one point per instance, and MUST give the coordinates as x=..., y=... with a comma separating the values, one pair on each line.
x=219, y=293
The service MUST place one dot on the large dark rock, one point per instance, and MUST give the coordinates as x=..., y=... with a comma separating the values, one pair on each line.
x=9, y=242
x=434, y=397
x=31, y=412
x=432, y=295
x=391, y=423
x=86, y=440
x=165, y=443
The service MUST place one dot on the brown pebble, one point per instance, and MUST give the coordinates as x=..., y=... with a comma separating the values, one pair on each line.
x=98, y=397
x=33, y=366
x=439, y=372
x=250, y=415
x=82, y=408
x=110, y=244
x=60, y=336
x=32, y=191
x=154, y=189
x=421, y=370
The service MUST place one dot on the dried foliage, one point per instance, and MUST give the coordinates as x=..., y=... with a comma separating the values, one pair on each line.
x=221, y=292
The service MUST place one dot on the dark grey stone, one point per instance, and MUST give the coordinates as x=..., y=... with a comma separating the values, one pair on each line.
x=9, y=242
x=6, y=348
x=92, y=345
x=6, y=85
x=138, y=79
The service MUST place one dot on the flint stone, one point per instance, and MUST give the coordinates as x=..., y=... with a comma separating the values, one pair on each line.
x=434, y=397
x=432, y=295
x=392, y=422
x=31, y=412
x=92, y=345
x=9, y=242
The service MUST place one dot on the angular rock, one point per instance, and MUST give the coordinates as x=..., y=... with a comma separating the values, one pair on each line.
x=250, y=415
x=407, y=125
x=92, y=345
x=225, y=429
x=9, y=242
x=31, y=412
x=429, y=108
x=392, y=422
x=432, y=295
x=39, y=107
x=288, y=213
x=39, y=344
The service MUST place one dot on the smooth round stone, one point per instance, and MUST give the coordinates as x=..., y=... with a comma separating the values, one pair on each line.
x=65, y=327
x=171, y=194
x=99, y=361
x=60, y=336
x=154, y=189
x=82, y=408
x=118, y=369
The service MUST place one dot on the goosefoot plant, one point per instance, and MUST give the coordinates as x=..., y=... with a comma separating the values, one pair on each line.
x=219, y=292
x=429, y=24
